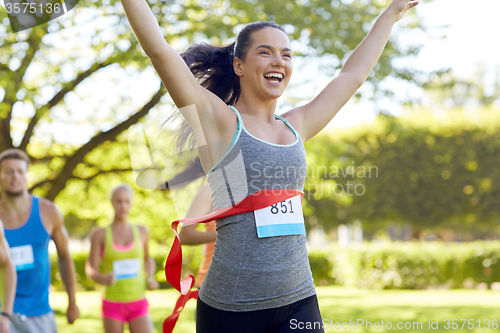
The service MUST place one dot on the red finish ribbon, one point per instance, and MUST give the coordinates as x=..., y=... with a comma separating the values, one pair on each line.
x=173, y=266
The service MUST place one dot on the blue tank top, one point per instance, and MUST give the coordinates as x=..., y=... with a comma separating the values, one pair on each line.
x=29, y=246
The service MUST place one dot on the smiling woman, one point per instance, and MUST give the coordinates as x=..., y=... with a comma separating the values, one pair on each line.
x=259, y=279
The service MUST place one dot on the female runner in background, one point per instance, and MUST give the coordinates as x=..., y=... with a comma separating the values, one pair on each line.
x=119, y=259
x=257, y=282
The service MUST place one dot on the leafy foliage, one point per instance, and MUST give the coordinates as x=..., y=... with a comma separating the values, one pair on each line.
x=413, y=265
x=430, y=171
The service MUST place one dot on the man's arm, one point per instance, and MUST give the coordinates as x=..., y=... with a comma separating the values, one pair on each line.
x=10, y=282
x=66, y=266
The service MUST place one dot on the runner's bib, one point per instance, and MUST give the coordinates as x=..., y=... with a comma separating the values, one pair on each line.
x=22, y=256
x=126, y=269
x=281, y=219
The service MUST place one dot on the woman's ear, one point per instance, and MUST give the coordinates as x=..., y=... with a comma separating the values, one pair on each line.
x=238, y=66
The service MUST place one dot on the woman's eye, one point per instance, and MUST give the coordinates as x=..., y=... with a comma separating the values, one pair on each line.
x=264, y=52
x=287, y=55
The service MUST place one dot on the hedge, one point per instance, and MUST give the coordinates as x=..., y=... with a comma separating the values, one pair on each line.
x=396, y=265
x=420, y=169
x=417, y=265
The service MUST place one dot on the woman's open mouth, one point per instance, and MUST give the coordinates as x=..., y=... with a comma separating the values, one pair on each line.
x=274, y=78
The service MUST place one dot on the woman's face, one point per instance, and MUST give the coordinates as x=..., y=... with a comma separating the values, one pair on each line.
x=122, y=201
x=267, y=67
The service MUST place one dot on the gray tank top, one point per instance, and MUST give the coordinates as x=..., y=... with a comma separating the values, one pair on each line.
x=248, y=273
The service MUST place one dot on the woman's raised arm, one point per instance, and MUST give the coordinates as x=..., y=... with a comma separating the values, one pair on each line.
x=173, y=71
x=311, y=118
x=208, y=116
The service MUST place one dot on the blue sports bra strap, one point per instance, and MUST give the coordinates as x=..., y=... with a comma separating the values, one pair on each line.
x=237, y=115
x=240, y=121
x=287, y=124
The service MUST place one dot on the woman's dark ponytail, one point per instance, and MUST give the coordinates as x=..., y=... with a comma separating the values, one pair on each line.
x=213, y=67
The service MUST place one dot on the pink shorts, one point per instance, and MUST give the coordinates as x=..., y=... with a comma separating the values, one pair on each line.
x=124, y=311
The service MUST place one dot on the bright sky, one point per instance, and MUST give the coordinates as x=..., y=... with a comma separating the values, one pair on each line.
x=472, y=37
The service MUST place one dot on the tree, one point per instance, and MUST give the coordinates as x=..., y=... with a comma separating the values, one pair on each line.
x=419, y=169
x=49, y=71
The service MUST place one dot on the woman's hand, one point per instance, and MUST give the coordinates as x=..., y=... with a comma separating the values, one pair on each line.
x=153, y=284
x=109, y=279
x=399, y=7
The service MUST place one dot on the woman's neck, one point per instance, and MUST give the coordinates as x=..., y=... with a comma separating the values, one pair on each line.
x=120, y=221
x=263, y=109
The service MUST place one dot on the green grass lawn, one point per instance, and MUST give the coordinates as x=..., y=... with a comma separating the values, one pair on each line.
x=337, y=305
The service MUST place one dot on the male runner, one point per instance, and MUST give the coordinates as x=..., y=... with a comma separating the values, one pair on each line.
x=30, y=223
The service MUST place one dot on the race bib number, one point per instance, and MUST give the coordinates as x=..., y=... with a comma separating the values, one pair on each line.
x=126, y=269
x=280, y=219
x=22, y=256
